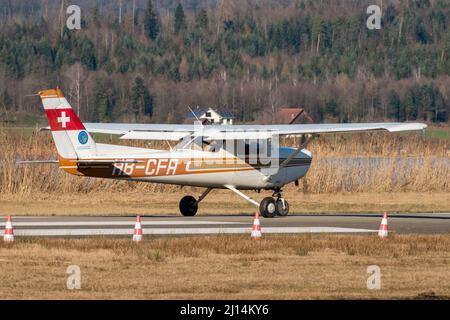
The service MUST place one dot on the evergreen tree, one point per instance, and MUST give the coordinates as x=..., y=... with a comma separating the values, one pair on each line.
x=180, y=19
x=141, y=100
x=332, y=108
x=95, y=17
x=422, y=35
x=101, y=101
x=411, y=103
x=394, y=105
x=6, y=100
x=201, y=21
x=151, y=22
x=87, y=55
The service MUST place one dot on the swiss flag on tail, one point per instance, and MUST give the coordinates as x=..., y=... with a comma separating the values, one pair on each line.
x=59, y=113
x=63, y=119
x=71, y=138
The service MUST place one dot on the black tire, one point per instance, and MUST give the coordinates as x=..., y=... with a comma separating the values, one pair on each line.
x=282, y=211
x=267, y=208
x=188, y=208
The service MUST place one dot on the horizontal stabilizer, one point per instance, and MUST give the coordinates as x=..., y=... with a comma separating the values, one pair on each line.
x=51, y=161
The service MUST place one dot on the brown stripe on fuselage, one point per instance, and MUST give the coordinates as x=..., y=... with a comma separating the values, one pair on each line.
x=163, y=166
x=152, y=167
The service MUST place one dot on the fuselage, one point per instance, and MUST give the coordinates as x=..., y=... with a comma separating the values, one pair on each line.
x=189, y=167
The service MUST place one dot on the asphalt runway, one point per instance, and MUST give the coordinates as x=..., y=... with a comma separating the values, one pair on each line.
x=362, y=223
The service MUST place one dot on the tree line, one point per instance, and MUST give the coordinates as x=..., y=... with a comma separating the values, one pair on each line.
x=146, y=61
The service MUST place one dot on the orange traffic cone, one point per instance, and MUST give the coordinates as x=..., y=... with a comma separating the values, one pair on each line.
x=137, y=234
x=383, y=231
x=256, y=229
x=9, y=233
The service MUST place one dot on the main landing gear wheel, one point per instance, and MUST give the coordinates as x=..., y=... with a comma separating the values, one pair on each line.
x=268, y=208
x=282, y=208
x=188, y=206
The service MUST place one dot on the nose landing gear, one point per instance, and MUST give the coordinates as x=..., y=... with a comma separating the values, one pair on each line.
x=282, y=207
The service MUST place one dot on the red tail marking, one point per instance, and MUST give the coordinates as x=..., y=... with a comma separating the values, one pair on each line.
x=63, y=119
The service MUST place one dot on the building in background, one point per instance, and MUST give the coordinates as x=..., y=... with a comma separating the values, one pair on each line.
x=285, y=115
x=210, y=116
x=288, y=115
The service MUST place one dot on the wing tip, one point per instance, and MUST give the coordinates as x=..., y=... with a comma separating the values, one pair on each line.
x=407, y=127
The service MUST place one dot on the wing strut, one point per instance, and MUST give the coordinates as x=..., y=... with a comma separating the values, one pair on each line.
x=242, y=195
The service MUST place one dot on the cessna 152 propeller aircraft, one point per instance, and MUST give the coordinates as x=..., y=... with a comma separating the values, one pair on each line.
x=206, y=157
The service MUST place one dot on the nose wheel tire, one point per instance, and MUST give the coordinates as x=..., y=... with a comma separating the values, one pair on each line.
x=282, y=209
x=188, y=206
x=268, y=208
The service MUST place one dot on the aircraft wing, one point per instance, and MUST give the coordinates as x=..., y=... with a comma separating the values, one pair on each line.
x=232, y=132
x=251, y=131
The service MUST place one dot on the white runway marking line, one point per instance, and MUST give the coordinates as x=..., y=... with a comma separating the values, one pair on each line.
x=113, y=223
x=183, y=231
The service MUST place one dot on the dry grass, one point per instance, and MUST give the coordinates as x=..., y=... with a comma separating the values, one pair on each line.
x=228, y=267
x=218, y=202
x=403, y=163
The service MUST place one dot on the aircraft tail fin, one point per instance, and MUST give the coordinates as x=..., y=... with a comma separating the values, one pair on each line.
x=70, y=136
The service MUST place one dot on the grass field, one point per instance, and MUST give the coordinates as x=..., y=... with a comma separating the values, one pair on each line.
x=228, y=267
x=442, y=133
x=218, y=202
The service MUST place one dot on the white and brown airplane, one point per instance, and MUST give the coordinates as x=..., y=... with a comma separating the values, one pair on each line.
x=235, y=157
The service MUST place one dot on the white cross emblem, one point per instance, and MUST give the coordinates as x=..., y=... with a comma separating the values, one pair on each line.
x=63, y=119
